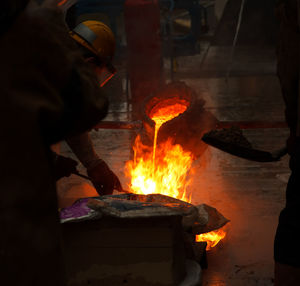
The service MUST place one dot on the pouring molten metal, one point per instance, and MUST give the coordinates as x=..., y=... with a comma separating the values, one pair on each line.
x=162, y=169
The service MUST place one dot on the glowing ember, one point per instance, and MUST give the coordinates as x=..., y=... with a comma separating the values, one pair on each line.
x=212, y=238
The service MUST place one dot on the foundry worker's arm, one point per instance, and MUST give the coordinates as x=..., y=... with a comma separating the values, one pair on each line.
x=103, y=178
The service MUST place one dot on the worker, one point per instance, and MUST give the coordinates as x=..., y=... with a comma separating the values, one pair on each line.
x=287, y=246
x=97, y=45
x=48, y=93
x=9, y=11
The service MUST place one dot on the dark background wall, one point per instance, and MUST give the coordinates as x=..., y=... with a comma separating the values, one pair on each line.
x=258, y=26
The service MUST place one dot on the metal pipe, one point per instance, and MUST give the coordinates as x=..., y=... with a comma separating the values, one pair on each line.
x=235, y=39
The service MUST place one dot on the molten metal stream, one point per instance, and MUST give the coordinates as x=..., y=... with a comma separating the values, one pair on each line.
x=161, y=169
x=160, y=117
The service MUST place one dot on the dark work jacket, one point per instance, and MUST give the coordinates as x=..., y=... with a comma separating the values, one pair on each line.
x=288, y=56
x=47, y=93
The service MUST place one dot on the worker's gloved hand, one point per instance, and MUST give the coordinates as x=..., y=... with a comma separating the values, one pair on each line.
x=103, y=179
x=64, y=166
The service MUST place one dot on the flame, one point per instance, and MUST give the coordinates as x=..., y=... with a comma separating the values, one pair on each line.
x=161, y=169
x=169, y=176
x=164, y=169
x=161, y=116
x=212, y=238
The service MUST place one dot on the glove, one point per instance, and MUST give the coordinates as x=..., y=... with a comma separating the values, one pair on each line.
x=103, y=179
x=64, y=166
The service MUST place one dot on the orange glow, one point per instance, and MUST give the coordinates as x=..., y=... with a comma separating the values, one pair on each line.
x=163, y=169
x=106, y=80
x=163, y=115
x=169, y=176
x=62, y=2
x=212, y=238
x=167, y=113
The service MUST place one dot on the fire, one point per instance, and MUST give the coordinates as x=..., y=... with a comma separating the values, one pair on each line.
x=212, y=238
x=161, y=116
x=163, y=169
x=169, y=176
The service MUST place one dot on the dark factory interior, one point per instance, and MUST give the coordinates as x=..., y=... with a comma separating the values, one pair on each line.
x=150, y=142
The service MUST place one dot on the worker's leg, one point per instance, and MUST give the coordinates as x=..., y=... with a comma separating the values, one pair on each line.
x=287, y=240
x=287, y=246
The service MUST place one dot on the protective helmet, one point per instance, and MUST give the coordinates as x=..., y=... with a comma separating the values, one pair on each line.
x=96, y=37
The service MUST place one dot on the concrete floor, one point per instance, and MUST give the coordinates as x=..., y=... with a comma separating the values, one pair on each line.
x=250, y=194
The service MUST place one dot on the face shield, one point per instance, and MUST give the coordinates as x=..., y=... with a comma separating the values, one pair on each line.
x=99, y=44
x=104, y=72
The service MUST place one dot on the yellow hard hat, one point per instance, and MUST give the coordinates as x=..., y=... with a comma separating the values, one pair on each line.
x=97, y=37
